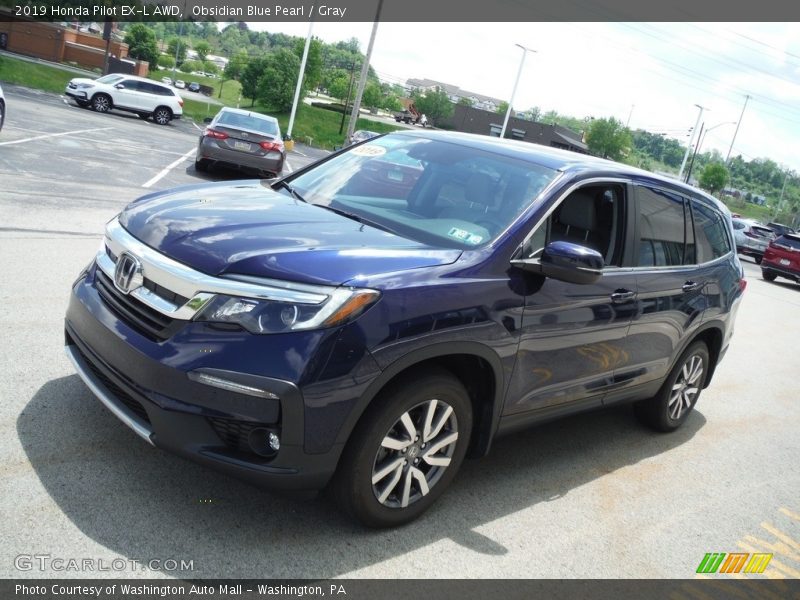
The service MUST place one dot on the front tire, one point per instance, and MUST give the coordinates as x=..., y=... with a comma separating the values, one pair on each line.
x=101, y=103
x=670, y=407
x=406, y=449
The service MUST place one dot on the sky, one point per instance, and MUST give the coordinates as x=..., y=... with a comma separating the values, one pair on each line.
x=653, y=74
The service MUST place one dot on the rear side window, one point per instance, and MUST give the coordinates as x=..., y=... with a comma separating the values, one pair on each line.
x=662, y=228
x=710, y=233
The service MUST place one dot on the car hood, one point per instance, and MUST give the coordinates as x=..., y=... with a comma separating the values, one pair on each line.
x=247, y=228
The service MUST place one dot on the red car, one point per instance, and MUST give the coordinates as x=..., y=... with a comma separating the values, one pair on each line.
x=782, y=258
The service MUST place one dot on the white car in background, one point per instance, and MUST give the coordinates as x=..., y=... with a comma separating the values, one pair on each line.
x=145, y=97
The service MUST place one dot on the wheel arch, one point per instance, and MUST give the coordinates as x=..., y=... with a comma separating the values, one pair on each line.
x=102, y=93
x=476, y=366
x=711, y=334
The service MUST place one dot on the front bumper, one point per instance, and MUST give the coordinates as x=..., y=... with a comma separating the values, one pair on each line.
x=205, y=424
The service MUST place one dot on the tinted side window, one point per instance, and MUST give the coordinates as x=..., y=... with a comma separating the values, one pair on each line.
x=710, y=232
x=662, y=228
x=131, y=85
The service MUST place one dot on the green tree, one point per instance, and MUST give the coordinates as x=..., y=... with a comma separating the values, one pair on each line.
x=714, y=177
x=166, y=61
x=434, y=105
x=189, y=66
x=203, y=49
x=209, y=66
x=313, y=72
x=464, y=101
x=250, y=76
x=608, y=138
x=501, y=108
x=338, y=87
x=236, y=65
x=177, y=45
x=278, y=80
x=372, y=95
x=142, y=44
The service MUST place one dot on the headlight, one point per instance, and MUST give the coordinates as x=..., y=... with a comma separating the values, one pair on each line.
x=272, y=316
x=84, y=86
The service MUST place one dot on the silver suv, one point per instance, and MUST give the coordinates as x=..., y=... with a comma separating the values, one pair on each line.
x=752, y=238
x=145, y=97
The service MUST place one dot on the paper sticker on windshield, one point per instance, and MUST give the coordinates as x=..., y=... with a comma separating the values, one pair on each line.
x=465, y=236
x=369, y=151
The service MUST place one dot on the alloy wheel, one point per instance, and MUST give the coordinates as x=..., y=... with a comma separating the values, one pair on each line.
x=686, y=387
x=414, y=454
x=161, y=116
x=100, y=104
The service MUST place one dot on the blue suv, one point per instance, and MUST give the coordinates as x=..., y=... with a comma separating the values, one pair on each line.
x=369, y=321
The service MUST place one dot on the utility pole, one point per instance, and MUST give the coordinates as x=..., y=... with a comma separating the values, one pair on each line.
x=691, y=141
x=696, y=148
x=727, y=158
x=364, y=70
x=347, y=100
x=630, y=114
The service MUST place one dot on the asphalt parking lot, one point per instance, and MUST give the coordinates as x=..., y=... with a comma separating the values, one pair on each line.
x=590, y=496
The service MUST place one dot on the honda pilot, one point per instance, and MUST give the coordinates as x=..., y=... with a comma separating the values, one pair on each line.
x=366, y=323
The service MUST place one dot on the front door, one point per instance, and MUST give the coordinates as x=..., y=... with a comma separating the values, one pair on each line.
x=573, y=336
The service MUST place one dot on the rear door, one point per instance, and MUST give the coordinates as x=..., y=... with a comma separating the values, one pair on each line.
x=671, y=288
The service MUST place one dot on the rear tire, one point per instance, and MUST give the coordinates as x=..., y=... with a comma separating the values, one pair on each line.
x=101, y=103
x=758, y=259
x=405, y=450
x=670, y=407
x=162, y=115
x=768, y=275
x=201, y=166
x=2, y=114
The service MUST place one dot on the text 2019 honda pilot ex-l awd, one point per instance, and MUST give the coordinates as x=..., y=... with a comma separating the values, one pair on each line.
x=369, y=321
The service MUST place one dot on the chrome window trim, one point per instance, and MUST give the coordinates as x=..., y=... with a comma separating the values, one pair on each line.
x=190, y=283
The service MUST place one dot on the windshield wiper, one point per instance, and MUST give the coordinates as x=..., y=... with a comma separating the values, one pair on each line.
x=291, y=190
x=358, y=218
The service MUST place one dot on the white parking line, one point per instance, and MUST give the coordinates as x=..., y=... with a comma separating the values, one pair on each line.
x=52, y=135
x=167, y=169
x=196, y=127
x=287, y=166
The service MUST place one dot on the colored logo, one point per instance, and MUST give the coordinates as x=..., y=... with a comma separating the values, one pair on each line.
x=734, y=562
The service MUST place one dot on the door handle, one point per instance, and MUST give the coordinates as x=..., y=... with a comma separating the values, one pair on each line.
x=622, y=296
x=690, y=286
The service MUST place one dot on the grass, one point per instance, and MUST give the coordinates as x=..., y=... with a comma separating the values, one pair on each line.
x=230, y=89
x=322, y=126
x=32, y=75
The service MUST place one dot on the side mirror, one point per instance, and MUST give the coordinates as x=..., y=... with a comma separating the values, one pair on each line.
x=565, y=261
x=120, y=86
x=207, y=120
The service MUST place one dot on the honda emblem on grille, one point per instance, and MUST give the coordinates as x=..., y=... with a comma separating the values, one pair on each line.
x=128, y=273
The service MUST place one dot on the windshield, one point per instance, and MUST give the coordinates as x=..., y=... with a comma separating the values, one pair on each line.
x=109, y=78
x=440, y=193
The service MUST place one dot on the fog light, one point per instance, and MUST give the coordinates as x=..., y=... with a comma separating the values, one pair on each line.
x=274, y=441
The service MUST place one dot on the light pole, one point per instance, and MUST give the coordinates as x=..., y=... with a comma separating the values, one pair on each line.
x=739, y=122
x=514, y=91
x=299, y=85
x=700, y=143
x=691, y=141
